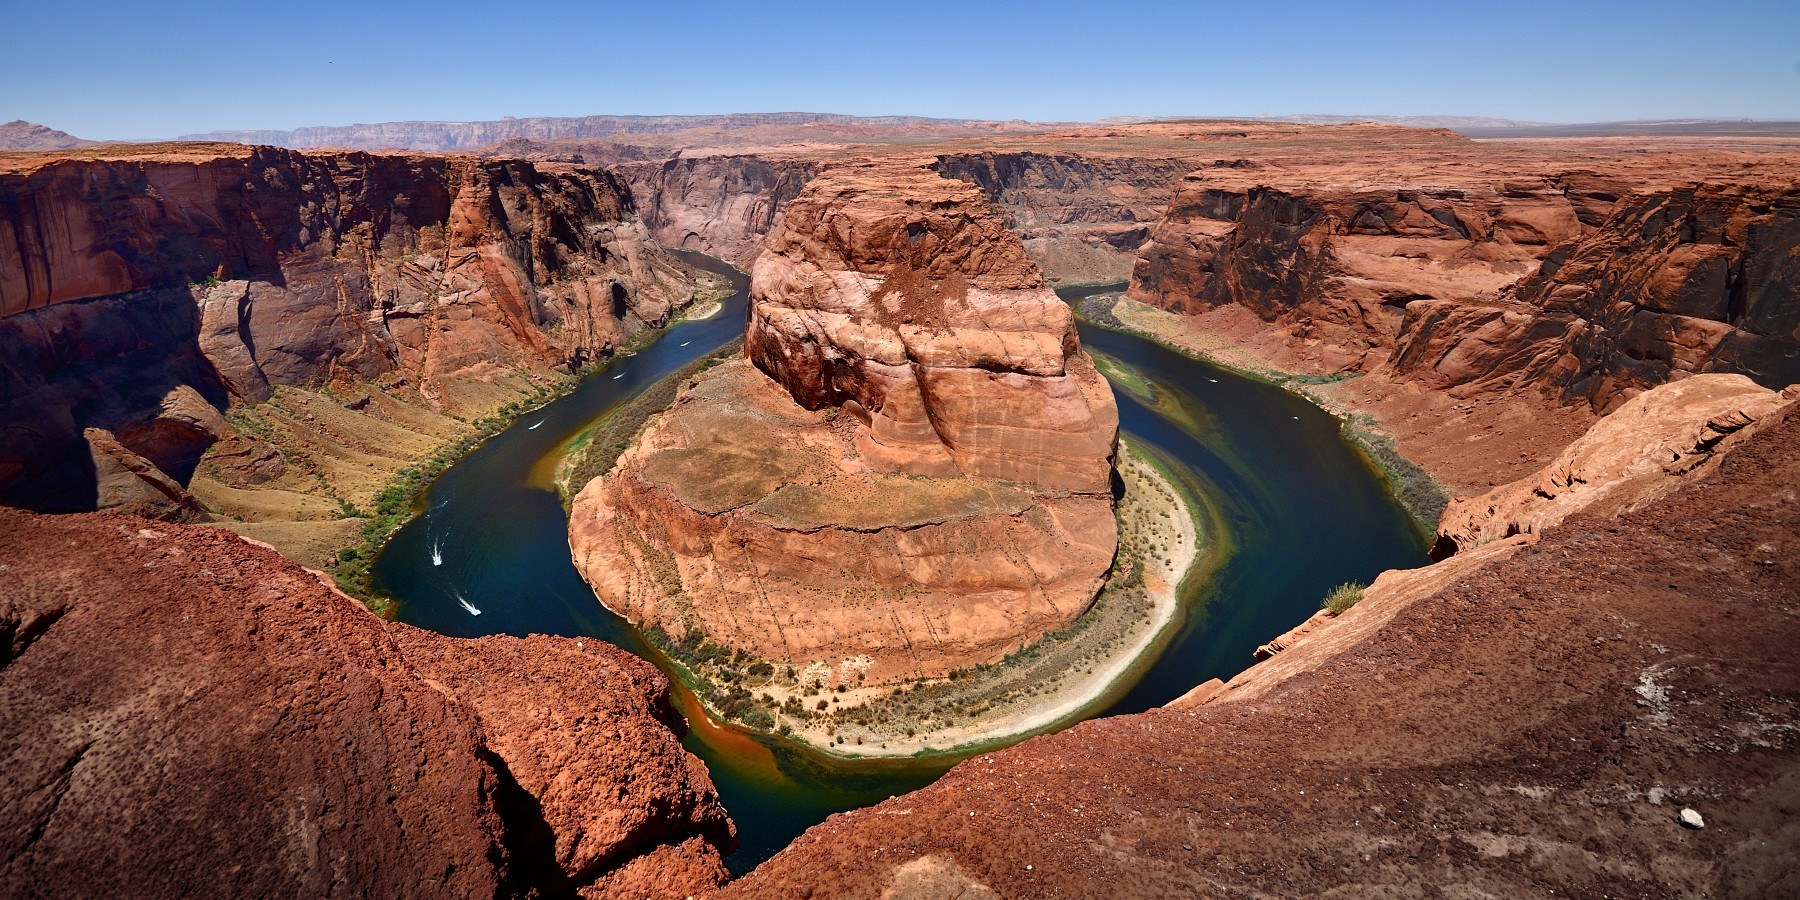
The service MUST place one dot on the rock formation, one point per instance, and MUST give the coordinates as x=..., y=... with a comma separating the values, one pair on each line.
x=911, y=473
x=1643, y=450
x=724, y=205
x=130, y=271
x=1532, y=726
x=186, y=713
x=1488, y=275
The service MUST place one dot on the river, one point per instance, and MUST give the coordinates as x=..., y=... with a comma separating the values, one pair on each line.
x=1300, y=509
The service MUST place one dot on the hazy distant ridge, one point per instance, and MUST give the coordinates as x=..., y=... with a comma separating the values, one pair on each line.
x=445, y=136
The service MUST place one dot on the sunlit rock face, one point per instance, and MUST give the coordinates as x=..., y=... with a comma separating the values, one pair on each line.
x=910, y=473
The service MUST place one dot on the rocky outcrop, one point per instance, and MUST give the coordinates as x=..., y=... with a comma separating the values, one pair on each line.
x=230, y=269
x=178, y=701
x=910, y=475
x=1581, y=285
x=1642, y=451
x=1529, y=727
x=1347, y=259
x=896, y=295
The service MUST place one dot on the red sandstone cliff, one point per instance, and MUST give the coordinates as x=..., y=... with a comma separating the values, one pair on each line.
x=1583, y=284
x=128, y=272
x=185, y=713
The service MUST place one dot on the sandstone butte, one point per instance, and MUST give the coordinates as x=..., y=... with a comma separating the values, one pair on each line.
x=189, y=714
x=910, y=472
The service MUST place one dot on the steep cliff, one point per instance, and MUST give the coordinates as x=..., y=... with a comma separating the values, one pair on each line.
x=723, y=205
x=129, y=272
x=1533, y=726
x=1082, y=217
x=1701, y=278
x=912, y=477
x=186, y=713
x=1583, y=284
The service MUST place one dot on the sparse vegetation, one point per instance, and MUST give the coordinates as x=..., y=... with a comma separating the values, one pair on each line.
x=1342, y=598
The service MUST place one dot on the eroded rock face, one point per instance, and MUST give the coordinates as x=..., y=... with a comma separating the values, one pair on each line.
x=897, y=295
x=724, y=205
x=229, y=269
x=1584, y=284
x=186, y=713
x=911, y=474
x=1642, y=451
x=1702, y=278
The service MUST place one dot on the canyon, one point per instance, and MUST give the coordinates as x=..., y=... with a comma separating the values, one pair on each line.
x=1584, y=345
x=354, y=311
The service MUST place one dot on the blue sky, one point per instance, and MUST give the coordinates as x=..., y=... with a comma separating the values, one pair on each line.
x=113, y=69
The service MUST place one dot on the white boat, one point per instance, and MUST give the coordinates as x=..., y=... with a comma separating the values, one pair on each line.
x=685, y=343
x=534, y=427
x=618, y=376
x=467, y=606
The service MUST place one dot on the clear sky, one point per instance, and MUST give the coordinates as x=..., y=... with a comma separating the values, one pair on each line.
x=125, y=69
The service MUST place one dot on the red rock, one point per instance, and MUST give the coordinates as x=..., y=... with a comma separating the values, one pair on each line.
x=185, y=713
x=924, y=484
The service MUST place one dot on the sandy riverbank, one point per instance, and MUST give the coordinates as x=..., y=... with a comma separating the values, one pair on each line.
x=1161, y=540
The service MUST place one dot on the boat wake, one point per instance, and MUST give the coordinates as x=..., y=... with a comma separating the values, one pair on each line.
x=437, y=554
x=467, y=606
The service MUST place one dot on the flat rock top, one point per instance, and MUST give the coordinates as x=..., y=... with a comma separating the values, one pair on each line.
x=735, y=440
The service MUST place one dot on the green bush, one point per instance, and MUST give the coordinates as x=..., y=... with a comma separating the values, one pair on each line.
x=1342, y=597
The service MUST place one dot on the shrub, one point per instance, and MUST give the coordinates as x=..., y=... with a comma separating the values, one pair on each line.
x=1342, y=597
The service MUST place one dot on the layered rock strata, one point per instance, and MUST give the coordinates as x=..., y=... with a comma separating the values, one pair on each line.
x=129, y=272
x=910, y=473
x=1582, y=284
x=186, y=713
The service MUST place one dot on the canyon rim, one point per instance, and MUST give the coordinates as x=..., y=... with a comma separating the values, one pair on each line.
x=793, y=504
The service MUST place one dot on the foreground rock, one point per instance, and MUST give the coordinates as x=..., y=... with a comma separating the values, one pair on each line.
x=1645, y=449
x=912, y=478
x=1533, y=727
x=185, y=713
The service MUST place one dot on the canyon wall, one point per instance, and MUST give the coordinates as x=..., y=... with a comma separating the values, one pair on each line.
x=911, y=473
x=1532, y=723
x=1585, y=285
x=129, y=275
x=189, y=714
x=721, y=205
x=1082, y=217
